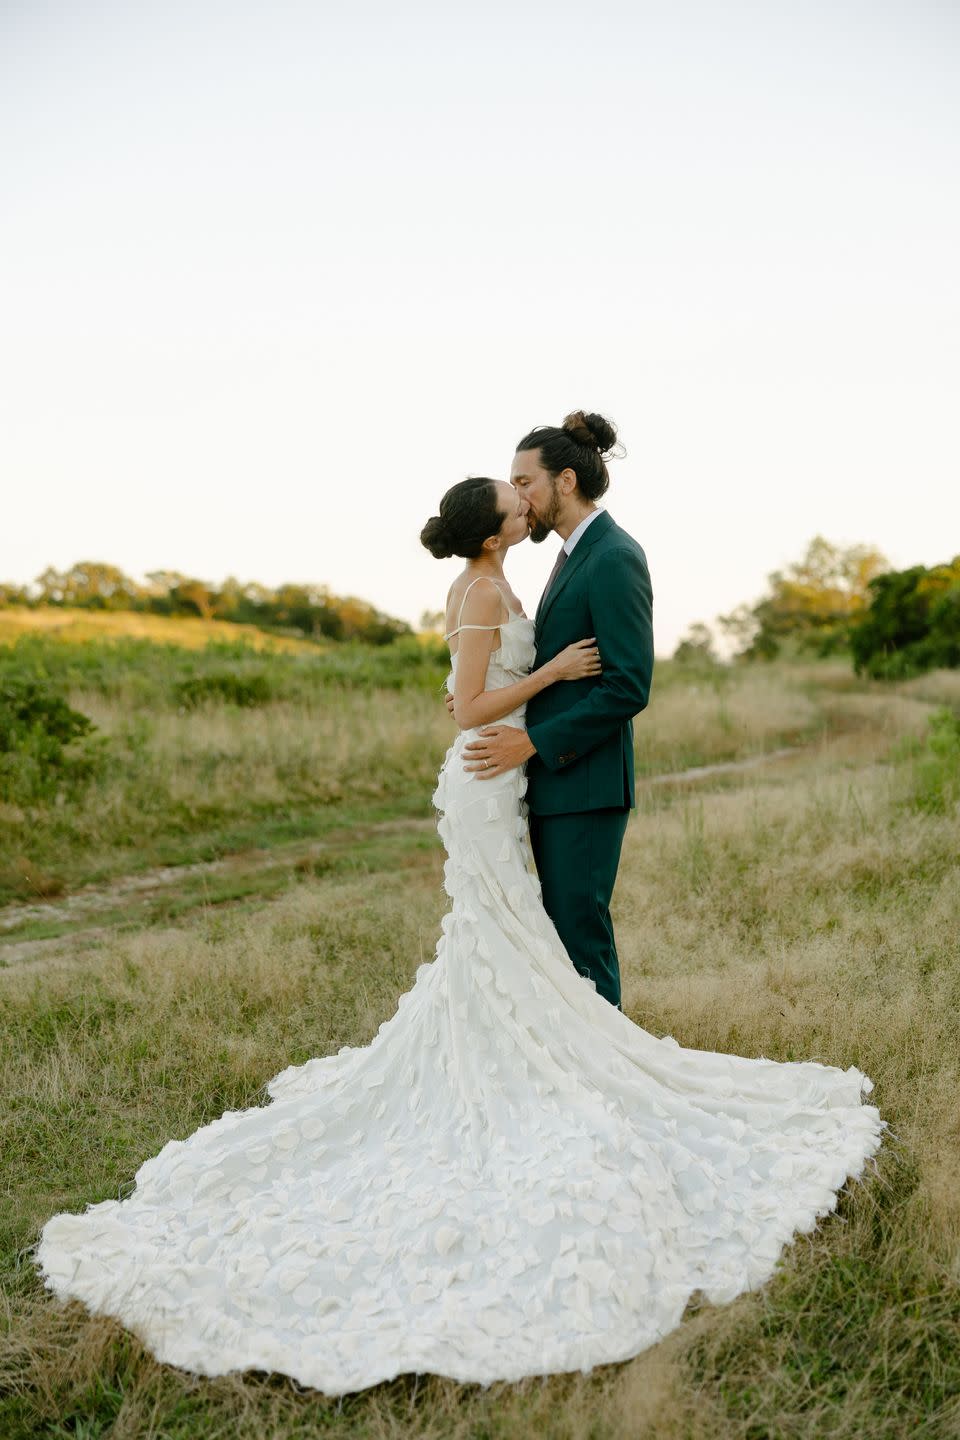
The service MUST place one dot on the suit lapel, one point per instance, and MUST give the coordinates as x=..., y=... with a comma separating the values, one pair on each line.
x=590, y=536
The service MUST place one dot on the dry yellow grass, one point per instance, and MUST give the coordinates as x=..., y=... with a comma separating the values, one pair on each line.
x=701, y=720
x=338, y=746
x=82, y=625
x=803, y=910
x=940, y=687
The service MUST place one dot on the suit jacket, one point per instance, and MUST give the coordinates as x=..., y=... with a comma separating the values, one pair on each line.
x=583, y=729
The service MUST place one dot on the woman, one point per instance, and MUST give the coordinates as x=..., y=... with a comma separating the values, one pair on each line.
x=480, y=520
x=512, y=1178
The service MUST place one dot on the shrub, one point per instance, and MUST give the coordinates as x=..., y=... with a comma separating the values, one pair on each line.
x=39, y=753
x=232, y=687
x=912, y=625
x=934, y=765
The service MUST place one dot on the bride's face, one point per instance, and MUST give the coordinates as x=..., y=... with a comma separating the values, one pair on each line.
x=513, y=507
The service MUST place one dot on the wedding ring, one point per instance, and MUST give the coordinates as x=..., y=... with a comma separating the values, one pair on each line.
x=486, y=764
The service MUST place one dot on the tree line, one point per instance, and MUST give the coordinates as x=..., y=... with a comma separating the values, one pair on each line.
x=892, y=623
x=309, y=611
x=833, y=600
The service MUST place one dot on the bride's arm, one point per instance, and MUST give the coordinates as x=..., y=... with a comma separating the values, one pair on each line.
x=473, y=704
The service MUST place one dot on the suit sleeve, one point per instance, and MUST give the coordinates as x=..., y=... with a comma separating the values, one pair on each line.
x=621, y=605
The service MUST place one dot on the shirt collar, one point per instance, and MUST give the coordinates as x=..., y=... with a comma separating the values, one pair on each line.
x=574, y=536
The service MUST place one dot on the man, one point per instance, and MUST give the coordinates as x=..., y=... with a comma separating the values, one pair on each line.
x=578, y=745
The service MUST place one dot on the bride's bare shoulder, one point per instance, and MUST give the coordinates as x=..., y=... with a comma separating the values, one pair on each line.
x=474, y=599
x=455, y=594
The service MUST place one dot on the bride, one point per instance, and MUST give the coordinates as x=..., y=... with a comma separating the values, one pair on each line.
x=512, y=1178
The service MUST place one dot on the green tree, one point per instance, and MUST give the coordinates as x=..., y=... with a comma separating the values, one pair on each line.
x=11, y=594
x=312, y=610
x=229, y=599
x=172, y=593
x=196, y=595
x=91, y=584
x=696, y=646
x=913, y=622
x=812, y=605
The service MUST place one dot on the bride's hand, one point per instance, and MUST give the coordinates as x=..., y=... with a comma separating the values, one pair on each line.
x=577, y=661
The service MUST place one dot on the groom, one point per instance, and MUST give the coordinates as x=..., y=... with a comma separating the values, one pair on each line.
x=578, y=745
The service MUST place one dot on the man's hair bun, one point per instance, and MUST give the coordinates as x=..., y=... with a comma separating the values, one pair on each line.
x=593, y=430
x=435, y=535
x=583, y=444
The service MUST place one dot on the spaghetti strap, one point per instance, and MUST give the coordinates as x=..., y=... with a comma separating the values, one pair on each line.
x=464, y=601
x=450, y=634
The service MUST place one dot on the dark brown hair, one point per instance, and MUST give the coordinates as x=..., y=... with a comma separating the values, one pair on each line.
x=582, y=444
x=468, y=516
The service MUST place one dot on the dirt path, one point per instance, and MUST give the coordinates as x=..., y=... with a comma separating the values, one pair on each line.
x=95, y=911
x=725, y=767
x=131, y=897
x=92, y=898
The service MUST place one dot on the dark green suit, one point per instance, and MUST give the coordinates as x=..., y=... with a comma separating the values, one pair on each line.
x=580, y=783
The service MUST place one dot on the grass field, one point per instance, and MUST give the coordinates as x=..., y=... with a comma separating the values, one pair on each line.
x=804, y=908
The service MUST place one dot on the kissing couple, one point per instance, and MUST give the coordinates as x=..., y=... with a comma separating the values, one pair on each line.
x=593, y=629
x=511, y=1178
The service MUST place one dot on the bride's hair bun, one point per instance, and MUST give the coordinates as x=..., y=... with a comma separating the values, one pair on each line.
x=468, y=516
x=592, y=430
x=583, y=443
x=436, y=537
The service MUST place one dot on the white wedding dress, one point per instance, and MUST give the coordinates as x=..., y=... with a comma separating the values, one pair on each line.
x=511, y=1179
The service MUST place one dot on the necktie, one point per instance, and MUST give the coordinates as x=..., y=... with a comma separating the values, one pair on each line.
x=562, y=559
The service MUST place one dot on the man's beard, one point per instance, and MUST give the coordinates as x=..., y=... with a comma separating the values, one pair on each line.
x=543, y=525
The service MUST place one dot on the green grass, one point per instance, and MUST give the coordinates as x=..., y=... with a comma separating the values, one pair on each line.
x=247, y=874
x=195, y=753
x=808, y=909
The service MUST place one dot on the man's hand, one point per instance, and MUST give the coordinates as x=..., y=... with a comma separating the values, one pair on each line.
x=502, y=748
x=448, y=701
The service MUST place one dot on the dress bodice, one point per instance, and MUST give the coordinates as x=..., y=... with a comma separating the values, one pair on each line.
x=510, y=662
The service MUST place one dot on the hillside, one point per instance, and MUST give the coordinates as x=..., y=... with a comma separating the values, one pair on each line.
x=191, y=633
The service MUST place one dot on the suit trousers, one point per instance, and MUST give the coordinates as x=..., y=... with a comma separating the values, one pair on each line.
x=577, y=856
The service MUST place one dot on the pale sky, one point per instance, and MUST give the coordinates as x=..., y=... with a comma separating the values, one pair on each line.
x=275, y=275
